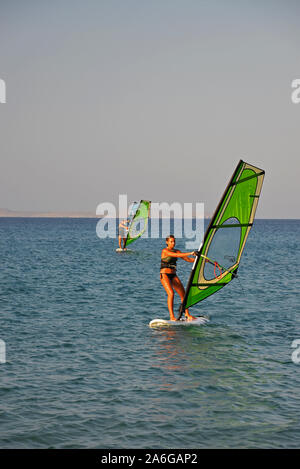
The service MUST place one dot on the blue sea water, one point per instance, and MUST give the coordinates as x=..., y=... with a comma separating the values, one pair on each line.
x=84, y=370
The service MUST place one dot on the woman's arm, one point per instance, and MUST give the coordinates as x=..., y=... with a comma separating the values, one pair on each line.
x=189, y=259
x=180, y=254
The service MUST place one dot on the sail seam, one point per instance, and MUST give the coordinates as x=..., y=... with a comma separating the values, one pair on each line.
x=247, y=178
x=234, y=225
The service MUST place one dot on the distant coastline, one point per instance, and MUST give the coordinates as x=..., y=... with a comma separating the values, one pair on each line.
x=5, y=213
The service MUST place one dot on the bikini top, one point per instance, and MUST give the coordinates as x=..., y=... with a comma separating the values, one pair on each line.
x=169, y=262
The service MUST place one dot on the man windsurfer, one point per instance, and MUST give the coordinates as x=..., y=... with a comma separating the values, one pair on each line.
x=123, y=229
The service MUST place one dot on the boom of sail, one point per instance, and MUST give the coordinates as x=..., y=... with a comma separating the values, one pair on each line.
x=219, y=255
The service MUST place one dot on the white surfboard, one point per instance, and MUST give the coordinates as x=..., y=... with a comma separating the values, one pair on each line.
x=123, y=250
x=199, y=321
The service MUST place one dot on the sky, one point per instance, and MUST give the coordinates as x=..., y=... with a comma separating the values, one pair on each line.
x=156, y=99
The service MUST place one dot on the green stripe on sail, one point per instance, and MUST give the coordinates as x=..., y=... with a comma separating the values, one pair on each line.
x=139, y=222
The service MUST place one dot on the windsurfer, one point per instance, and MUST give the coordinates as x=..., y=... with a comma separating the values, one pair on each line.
x=168, y=276
x=123, y=229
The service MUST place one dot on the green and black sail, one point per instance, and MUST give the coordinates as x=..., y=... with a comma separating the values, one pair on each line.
x=138, y=222
x=220, y=253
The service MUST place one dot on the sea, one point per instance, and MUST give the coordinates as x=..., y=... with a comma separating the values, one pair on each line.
x=81, y=368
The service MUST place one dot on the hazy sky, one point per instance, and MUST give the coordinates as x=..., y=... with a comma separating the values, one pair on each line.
x=157, y=99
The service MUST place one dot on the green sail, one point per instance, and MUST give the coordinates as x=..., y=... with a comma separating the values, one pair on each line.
x=139, y=222
x=220, y=253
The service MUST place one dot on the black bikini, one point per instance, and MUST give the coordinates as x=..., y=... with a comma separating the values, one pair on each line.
x=169, y=263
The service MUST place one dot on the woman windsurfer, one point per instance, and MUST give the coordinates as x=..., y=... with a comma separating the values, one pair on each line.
x=168, y=276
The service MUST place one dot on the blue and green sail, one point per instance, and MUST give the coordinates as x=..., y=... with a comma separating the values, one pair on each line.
x=220, y=253
x=139, y=221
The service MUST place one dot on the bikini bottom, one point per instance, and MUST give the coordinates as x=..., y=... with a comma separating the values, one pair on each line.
x=170, y=276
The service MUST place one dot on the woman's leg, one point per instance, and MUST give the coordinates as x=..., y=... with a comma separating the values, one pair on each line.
x=166, y=283
x=178, y=287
